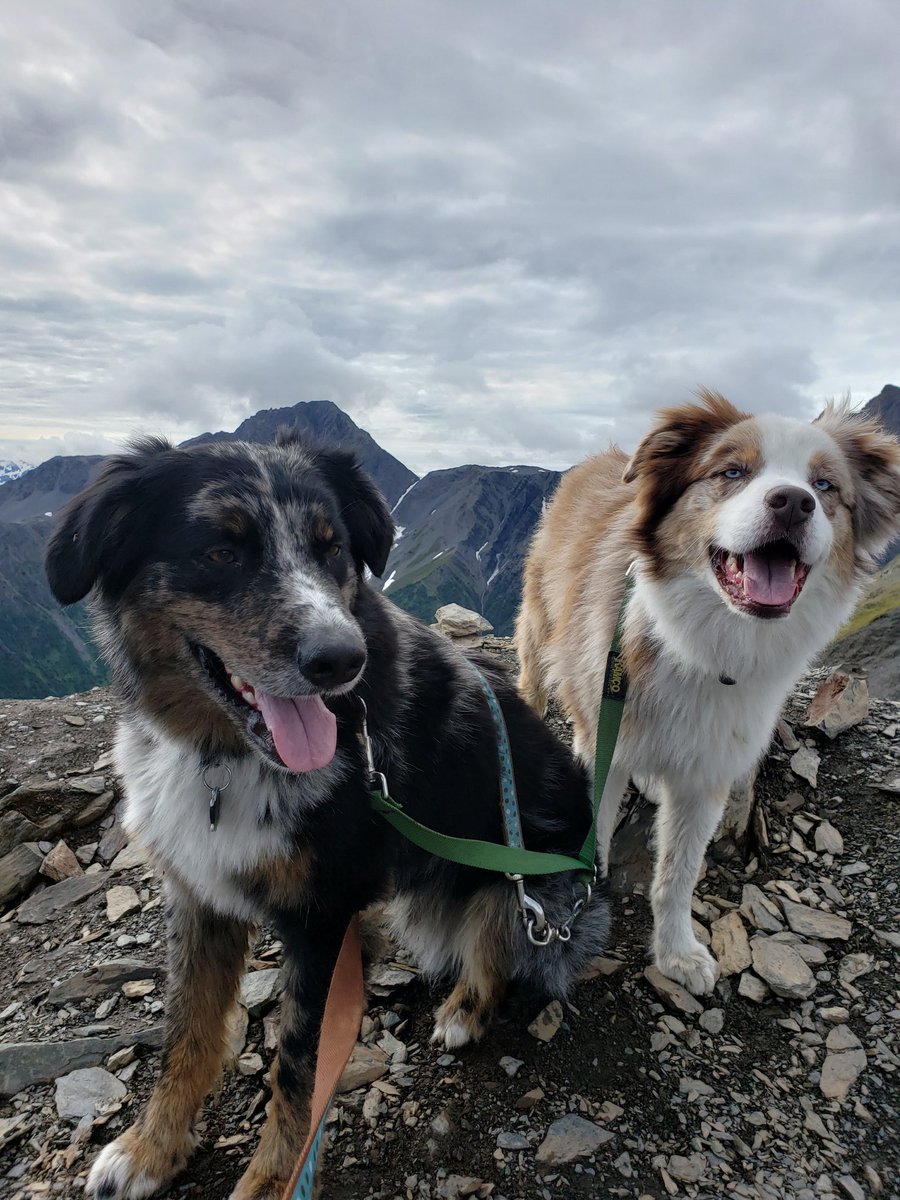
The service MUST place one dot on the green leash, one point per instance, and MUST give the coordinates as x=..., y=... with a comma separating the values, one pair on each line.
x=512, y=858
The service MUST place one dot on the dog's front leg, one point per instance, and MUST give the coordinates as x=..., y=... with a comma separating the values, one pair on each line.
x=309, y=958
x=684, y=825
x=608, y=815
x=206, y=957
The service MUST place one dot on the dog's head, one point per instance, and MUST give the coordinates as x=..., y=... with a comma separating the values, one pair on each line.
x=224, y=578
x=755, y=506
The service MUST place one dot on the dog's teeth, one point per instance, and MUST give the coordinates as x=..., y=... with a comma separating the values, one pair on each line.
x=237, y=683
x=250, y=696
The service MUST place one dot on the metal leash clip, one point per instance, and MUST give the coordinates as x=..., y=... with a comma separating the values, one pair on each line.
x=376, y=778
x=538, y=930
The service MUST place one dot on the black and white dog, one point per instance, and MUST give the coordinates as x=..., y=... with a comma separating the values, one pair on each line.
x=228, y=595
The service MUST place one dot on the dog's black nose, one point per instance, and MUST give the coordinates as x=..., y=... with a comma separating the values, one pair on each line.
x=331, y=662
x=791, y=505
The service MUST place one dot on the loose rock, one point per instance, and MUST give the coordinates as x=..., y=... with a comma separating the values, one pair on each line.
x=751, y=987
x=37, y=910
x=760, y=910
x=120, y=901
x=18, y=870
x=672, y=993
x=546, y=1024
x=259, y=989
x=827, y=839
x=730, y=944
x=812, y=922
x=569, y=1138
x=61, y=863
x=85, y=1093
x=805, y=763
x=844, y=1063
x=365, y=1066
x=840, y=703
x=782, y=968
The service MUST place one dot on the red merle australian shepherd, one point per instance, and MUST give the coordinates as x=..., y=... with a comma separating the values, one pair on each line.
x=227, y=586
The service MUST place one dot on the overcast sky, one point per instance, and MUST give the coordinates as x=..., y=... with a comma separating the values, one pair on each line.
x=490, y=231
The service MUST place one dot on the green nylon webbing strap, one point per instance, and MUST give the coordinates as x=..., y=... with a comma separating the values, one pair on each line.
x=612, y=706
x=514, y=860
x=469, y=852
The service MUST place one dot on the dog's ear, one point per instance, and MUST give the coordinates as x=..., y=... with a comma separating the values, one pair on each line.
x=363, y=508
x=98, y=539
x=680, y=432
x=874, y=458
x=666, y=461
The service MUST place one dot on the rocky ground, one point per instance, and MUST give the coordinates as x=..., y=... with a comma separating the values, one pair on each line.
x=782, y=1084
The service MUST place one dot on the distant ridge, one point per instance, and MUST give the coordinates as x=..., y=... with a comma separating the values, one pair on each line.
x=325, y=422
x=885, y=407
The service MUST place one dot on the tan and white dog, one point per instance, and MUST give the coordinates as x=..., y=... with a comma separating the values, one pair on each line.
x=752, y=538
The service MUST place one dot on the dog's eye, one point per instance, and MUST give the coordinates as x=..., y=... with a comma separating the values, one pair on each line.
x=822, y=485
x=734, y=472
x=334, y=550
x=221, y=555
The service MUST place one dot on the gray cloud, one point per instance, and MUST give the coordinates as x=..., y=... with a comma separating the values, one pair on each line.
x=491, y=233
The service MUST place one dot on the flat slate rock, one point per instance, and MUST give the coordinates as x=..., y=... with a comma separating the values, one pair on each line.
x=569, y=1138
x=672, y=993
x=85, y=1092
x=760, y=909
x=18, y=871
x=259, y=989
x=102, y=978
x=25, y=1063
x=730, y=944
x=782, y=968
x=812, y=922
x=367, y=1063
x=43, y=907
x=844, y=1063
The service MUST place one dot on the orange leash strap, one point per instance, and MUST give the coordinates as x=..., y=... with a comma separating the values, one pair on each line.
x=341, y=1020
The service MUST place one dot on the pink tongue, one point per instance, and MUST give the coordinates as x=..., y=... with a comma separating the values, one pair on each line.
x=303, y=729
x=768, y=580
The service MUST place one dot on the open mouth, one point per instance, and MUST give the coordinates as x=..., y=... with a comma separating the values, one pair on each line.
x=765, y=581
x=297, y=732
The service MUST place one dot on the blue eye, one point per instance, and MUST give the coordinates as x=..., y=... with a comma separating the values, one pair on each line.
x=734, y=473
x=822, y=485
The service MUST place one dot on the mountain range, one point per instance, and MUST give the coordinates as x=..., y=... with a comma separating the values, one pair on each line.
x=462, y=535
x=12, y=470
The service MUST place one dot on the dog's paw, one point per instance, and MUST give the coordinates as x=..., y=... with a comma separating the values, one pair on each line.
x=116, y=1176
x=692, y=966
x=455, y=1027
x=130, y=1169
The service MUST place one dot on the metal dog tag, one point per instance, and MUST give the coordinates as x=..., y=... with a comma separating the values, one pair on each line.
x=214, y=795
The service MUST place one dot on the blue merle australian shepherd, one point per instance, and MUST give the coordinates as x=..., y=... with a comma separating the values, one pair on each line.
x=228, y=591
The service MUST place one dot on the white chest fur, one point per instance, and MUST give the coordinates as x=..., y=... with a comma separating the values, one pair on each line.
x=692, y=728
x=167, y=810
